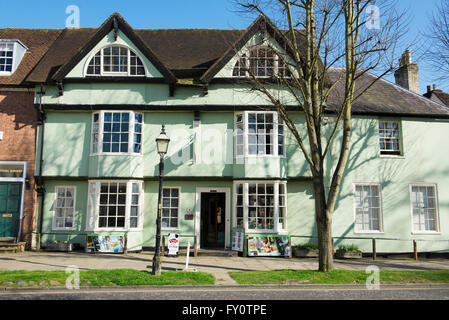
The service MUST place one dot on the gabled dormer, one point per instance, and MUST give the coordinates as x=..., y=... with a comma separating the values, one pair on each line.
x=114, y=52
x=11, y=54
x=262, y=50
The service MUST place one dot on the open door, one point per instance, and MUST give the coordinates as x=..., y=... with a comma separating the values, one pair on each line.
x=213, y=226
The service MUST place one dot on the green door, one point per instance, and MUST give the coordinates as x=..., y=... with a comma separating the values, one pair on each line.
x=10, y=199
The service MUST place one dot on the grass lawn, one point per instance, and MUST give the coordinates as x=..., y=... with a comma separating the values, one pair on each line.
x=337, y=277
x=115, y=277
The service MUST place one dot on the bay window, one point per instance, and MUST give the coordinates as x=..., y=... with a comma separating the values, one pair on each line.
x=260, y=206
x=117, y=132
x=114, y=205
x=259, y=134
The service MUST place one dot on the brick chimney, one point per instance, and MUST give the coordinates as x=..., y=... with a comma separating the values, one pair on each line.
x=407, y=74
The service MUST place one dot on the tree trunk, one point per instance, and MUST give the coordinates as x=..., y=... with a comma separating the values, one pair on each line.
x=324, y=227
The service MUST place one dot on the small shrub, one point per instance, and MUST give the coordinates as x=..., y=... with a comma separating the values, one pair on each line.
x=307, y=246
x=350, y=248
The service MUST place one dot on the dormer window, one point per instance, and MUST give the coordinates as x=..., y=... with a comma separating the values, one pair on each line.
x=11, y=53
x=115, y=61
x=262, y=62
x=6, y=56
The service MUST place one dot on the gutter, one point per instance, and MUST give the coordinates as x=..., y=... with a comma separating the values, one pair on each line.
x=40, y=182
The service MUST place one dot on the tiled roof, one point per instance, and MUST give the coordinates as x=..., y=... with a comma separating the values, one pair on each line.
x=440, y=95
x=37, y=41
x=383, y=98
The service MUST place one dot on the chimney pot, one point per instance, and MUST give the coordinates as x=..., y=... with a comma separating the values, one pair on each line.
x=434, y=87
x=429, y=88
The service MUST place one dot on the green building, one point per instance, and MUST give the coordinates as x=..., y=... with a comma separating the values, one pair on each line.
x=232, y=164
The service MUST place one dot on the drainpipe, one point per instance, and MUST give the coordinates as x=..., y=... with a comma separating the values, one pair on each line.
x=40, y=187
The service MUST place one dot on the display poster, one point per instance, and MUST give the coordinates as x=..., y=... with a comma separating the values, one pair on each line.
x=237, y=241
x=105, y=243
x=173, y=244
x=268, y=245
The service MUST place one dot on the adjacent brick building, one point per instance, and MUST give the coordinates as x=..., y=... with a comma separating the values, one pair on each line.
x=19, y=53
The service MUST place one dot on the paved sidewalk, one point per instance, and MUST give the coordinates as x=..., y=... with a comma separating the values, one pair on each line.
x=218, y=266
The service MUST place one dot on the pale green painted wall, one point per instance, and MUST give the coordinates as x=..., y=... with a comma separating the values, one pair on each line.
x=158, y=94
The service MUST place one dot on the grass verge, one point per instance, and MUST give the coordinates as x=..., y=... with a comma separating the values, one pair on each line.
x=337, y=277
x=114, y=277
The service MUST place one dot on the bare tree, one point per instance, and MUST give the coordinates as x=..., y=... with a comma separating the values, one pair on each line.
x=323, y=35
x=438, y=50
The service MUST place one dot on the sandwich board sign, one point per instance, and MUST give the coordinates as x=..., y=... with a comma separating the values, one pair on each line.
x=173, y=244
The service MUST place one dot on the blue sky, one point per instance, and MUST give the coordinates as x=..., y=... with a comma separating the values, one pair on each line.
x=211, y=14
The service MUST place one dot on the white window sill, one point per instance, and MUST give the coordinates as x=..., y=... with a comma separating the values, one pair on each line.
x=369, y=232
x=116, y=154
x=114, y=230
x=426, y=232
x=63, y=229
x=391, y=156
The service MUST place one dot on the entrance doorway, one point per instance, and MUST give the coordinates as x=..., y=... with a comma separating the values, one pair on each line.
x=10, y=202
x=213, y=220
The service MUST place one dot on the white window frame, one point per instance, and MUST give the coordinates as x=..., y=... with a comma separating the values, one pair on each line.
x=54, y=227
x=274, y=135
x=437, y=213
x=400, y=142
x=380, y=217
x=247, y=56
x=19, y=50
x=111, y=73
x=131, y=133
x=93, y=206
x=179, y=207
x=246, y=183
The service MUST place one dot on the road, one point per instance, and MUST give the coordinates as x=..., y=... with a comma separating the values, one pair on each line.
x=244, y=293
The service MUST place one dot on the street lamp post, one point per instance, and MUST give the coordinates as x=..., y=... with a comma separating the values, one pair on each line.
x=162, y=146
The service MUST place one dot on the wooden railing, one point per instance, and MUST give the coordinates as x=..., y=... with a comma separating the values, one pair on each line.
x=373, y=242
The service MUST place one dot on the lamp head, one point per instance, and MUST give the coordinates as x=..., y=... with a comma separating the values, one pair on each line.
x=162, y=142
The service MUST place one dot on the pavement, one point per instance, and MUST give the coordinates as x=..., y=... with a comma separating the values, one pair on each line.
x=219, y=266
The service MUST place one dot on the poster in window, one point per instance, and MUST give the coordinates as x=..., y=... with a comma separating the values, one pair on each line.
x=269, y=245
x=105, y=243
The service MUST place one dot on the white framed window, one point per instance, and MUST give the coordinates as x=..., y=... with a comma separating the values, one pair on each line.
x=170, y=207
x=368, y=208
x=262, y=62
x=63, y=218
x=6, y=57
x=115, y=61
x=259, y=133
x=261, y=206
x=115, y=206
x=11, y=54
x=117, y=132
x=424, y=205
x=390, y=137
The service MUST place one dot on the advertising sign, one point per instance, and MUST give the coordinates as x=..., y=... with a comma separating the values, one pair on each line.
x=237, y=241
x=105, y=243
x=173, y=244
x=268, y=245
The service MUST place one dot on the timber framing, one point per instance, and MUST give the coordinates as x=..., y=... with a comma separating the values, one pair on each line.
x=209, y=107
